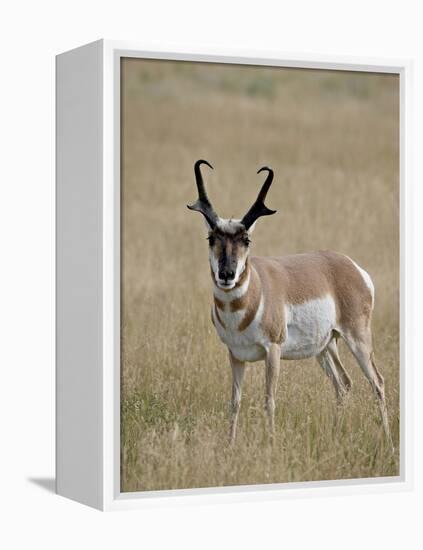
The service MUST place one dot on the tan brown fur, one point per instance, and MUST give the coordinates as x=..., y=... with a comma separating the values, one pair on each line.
x=216, y=312
x=251, y=300
x=219, y=304
x=237, y=304
x=298, y=278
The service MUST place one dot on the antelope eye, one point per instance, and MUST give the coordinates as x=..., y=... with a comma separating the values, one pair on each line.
x=211, y=239
x=246, y=241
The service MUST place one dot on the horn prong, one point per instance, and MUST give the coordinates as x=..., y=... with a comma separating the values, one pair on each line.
x=259, y=209
x=203, y=204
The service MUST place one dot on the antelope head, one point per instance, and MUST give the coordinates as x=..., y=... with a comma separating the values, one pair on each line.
x=229, y=240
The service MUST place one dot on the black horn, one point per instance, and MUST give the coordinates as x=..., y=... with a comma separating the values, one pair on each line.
x=203, y=204
x=259, y=208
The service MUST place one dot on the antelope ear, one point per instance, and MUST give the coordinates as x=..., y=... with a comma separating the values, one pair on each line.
x=251, y=228
x=206, y=223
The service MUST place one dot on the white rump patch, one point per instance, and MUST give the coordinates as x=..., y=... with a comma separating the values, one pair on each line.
x=309, y=327
x=367, y=279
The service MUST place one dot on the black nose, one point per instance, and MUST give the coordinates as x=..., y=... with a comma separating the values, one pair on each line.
x=226, y=274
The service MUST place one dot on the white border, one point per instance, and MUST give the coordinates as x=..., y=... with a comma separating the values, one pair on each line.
x=113, y=499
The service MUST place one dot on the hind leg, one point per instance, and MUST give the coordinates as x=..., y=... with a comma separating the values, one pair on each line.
x=360, y=345
x=328, y=365
x=346, y=381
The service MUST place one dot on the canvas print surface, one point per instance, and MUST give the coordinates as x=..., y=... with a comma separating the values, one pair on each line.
x=258, y=347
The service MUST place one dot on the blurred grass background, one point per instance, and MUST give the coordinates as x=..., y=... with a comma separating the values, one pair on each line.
x=332, y=139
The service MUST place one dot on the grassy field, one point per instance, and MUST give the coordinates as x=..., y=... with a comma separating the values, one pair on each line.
x=332, y=140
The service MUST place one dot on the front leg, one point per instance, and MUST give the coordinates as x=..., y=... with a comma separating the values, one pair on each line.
x=238, y=371
x=273, y=361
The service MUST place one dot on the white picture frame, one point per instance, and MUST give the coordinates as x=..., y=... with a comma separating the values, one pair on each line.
x=88, y=241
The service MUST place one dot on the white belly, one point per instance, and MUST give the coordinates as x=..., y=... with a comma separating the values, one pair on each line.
x=309, y=328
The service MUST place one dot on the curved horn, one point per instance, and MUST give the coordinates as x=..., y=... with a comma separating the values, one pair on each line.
x=259, y=208
x=203, y=203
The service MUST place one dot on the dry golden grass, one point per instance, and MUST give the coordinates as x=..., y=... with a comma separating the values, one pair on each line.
x=332, y=140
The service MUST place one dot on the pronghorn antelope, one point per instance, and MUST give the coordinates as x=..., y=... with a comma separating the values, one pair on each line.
x=287, y=307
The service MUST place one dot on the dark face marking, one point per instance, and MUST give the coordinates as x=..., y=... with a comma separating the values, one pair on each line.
x=228, y=249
